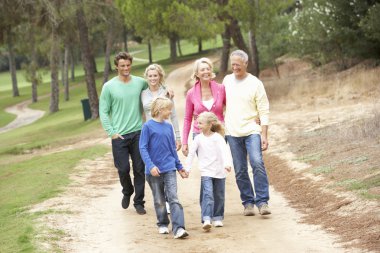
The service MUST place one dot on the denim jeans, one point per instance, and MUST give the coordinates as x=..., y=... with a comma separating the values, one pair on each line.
x=240, y=146
x=166, y=186
x=212, y=198
x=121, y=150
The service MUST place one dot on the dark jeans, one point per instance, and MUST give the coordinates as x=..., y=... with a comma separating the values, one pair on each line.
x=121, y=150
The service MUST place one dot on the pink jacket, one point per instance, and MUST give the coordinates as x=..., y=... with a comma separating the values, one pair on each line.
x=194, y=106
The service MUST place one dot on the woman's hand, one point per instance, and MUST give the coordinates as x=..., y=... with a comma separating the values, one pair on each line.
x=185, y=149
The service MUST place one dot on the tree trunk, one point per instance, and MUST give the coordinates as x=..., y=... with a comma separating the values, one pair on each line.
x=107, y=65
x=87, y=59
x=200, y=49
x=12, y=63
x=65, y=75
x=72, y=63
x=226, y=37
x=54, y=65
x=173, y=47
x=61, y=67
x=125, y=37
x=33, y=65
x=150, y=52
x=179, y=46
x=255, y=54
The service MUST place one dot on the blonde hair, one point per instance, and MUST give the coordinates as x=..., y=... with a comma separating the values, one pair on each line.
x=158, y=104
x=196, y=67
x=159, y=70
x=210, y=118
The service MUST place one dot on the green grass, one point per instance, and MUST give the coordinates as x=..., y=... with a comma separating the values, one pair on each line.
x=29, y=182
x=310, y=157
x=323, y=169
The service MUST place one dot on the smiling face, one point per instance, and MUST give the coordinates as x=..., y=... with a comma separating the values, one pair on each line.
x=238, y=66
x=204, y=125
x=204, y=72
x=166, y=112
x=153, y=78
x=124, y=68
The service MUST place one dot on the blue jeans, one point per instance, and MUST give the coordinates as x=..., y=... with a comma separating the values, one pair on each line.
x=212, y=198
x=240, y=147
x=166, y=186
x=121, y=150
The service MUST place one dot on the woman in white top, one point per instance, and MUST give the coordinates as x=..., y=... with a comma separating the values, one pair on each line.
x=154, y=74
x=213, y=162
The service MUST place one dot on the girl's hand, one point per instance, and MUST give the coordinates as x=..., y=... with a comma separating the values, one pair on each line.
x=185, y=149
x=228, y=168
x=183, y=173
x=178, y=144
x=155, y=172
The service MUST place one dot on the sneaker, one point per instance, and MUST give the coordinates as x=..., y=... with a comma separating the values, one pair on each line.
x=264, y=209
x=248, y=210
x=167, y=207
x=163, y=230
x=140, y=209
x=218, y=223
x=125, y=201
x=181, y=233
x=206, y=225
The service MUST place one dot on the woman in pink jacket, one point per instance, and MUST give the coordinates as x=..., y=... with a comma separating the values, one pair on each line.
x=205, y=95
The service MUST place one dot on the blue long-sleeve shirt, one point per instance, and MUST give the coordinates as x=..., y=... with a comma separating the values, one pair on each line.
x=157, y=147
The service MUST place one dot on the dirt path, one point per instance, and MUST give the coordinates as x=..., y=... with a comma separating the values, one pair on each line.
x=24, y=114
x=92, y=219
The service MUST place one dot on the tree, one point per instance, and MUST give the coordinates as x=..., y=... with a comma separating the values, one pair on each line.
x=87, y=58
x=10, y=12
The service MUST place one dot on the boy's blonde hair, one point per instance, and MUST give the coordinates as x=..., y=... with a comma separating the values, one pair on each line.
x=159, y=69
x=210, y=118
x=196, y=67
x=158, y=104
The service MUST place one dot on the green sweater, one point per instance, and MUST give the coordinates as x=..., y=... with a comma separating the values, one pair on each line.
x=120, y=105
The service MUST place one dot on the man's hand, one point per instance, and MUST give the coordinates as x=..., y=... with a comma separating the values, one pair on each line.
x=117, y=136
x=185, y=149
x=258, y=121
x=178, y=144
x=228, y=168
x=155, y=172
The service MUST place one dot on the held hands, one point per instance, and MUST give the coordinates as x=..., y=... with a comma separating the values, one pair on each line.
x=117, y=136
x=183, y=173
x=185, y=149
x=155, y=172
x=178, y=145
x=264, y=143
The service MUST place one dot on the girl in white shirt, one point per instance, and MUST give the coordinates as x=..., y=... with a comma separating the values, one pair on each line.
x=213, y=162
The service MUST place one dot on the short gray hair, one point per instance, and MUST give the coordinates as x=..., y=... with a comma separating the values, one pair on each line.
x=240, y=53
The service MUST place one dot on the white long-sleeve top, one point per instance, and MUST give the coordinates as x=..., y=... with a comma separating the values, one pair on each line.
x=213, y=155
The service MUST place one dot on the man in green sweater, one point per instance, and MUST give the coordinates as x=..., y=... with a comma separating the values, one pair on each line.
x=121, y=116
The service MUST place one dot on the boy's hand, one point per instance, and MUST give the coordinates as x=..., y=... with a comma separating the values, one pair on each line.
x=155, y=172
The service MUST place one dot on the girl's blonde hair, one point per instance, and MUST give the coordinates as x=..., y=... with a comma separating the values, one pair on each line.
x=159, y=69
x=196, y=67
x=158, y=104
x=210, y=118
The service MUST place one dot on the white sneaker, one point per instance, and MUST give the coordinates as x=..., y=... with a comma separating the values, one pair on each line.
x=206, y=225
x=163, y=230
x=218, y=223
x=167, y=207
x=181, y=233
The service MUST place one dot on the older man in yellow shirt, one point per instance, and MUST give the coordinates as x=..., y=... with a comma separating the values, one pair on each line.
x=246, y=101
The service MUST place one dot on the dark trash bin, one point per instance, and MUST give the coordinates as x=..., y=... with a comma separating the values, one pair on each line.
x=86, y=109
